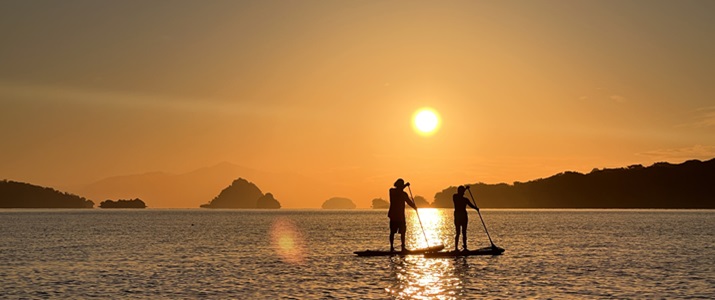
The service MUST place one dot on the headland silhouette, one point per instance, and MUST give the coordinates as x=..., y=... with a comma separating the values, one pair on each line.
x=15, y=194
x=662, y=185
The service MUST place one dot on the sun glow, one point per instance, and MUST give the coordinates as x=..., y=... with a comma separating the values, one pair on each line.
x=287, y=241
x=425, y=121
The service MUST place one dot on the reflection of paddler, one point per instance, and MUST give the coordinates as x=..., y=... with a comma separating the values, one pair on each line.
x=461, y=220
x=398, y=223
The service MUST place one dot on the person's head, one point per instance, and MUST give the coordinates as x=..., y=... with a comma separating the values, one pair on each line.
x=400, y=184
x=461, y=189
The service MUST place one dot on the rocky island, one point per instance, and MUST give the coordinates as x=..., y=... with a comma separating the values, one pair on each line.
x=243, y=194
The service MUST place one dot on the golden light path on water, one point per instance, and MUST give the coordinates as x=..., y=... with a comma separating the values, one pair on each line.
x=435, y=227
x=415, y=277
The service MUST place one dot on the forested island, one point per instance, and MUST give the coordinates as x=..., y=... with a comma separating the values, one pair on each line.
x=379, y=203
x=662, y=185
x=243, y=194
x=121, y=203
x=24, y=195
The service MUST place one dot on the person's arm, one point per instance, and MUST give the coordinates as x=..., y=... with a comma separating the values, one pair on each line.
x=470, y=202
x=410, y=202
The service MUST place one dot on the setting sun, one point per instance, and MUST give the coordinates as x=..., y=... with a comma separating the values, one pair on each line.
x=426, y=121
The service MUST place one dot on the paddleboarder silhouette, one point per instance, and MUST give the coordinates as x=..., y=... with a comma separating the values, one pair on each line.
x=461, y=220
x=398, y=224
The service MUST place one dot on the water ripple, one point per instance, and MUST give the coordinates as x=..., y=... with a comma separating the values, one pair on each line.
x=237, y=254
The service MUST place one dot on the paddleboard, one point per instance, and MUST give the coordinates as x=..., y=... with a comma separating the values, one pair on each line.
x=481, y=251
x=402, y=253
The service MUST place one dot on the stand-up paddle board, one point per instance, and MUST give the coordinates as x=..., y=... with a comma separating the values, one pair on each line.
x=482, y=251
x=406, y=252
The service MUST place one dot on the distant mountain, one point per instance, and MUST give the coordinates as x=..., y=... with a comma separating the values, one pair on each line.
x=24, y=195
x=242, y=194
x=167, y=190
x=662, y=185
x=194, y=188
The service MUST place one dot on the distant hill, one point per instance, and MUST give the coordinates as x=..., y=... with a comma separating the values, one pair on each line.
x=24, y=195
x=338, y=203
x=662, y=185
x=134, y=203
x=191, y=189
x=242, y=194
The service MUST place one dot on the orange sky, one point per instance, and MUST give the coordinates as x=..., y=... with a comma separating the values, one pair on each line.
x=326, y=89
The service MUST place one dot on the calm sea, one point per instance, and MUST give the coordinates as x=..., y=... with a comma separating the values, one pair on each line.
x=307, y=254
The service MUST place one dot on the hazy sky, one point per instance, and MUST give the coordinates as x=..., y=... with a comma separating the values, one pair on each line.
x=326, y=89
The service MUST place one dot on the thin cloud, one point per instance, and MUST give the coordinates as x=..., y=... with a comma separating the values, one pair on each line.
x=694, y=152
x=703, y=117
x=142, y=101
x=618, y=98
x=706, y=117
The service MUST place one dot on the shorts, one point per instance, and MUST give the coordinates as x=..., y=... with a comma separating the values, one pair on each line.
x=399, y=226
x=461, y=220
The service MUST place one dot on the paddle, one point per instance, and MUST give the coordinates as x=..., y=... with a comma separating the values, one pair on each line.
x=480, y=216
x=437, y=247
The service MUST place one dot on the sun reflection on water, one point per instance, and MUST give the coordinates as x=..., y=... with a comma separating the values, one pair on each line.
x=435, y=226
x=416, y=277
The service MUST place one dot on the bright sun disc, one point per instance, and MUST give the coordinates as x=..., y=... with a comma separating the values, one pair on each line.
x=426, y=121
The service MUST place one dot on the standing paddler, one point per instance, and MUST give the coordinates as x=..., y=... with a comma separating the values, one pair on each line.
x=398, y=223
x=461, y=220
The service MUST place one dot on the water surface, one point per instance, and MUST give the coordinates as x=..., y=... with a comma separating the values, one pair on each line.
x=219, y=254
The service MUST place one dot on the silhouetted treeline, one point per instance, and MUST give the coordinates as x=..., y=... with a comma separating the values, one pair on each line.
x=243, y=194
x=24, y=195
x=121, y=203
x=662, y=185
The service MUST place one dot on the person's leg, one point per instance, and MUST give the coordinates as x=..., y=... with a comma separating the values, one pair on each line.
x=403, y=232
x=392, y=241
x=464, y=237
x=456, y=237
x=392, y=236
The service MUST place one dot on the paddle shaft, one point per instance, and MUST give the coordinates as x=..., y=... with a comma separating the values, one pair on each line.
x=418, y=216
x=480, y=217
